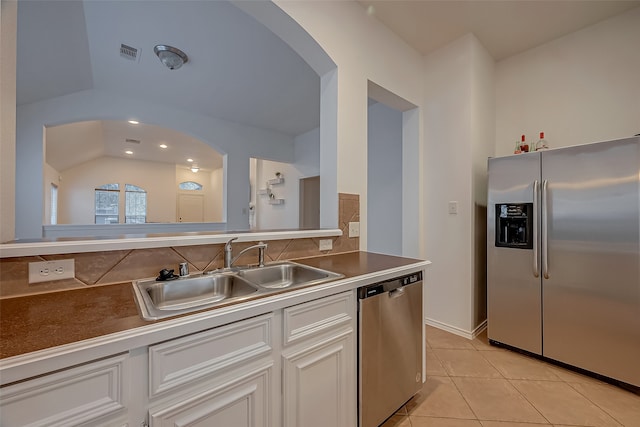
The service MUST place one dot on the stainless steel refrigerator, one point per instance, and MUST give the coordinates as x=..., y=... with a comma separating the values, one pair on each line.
x=563, y=255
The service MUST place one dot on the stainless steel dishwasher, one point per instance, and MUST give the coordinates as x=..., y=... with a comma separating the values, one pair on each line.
x=389, y=347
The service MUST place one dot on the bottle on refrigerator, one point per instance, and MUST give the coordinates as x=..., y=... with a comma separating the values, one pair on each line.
x=524, y=147
x=542, y=143
x=517, y=150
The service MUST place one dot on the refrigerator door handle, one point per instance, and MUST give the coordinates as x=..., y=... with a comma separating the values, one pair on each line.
x=536, y=266
x=545, y=243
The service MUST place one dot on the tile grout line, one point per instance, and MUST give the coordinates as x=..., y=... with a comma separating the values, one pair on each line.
x=510, y=381
x=613, y=417
x=458, y=389
x=120, y=261
x=527, y=400
x=502, y=376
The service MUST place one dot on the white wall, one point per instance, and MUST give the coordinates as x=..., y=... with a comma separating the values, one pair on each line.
x=283, y=216
x=307, y=153
x=51, y=177
x=77, y=188
x=581, y=88
x=212, y=190
x=217, y=201
x=8, y=32
x=458, y=102
x=363, y=49
x=384, y=184
x=306, y=164
x=483, y=118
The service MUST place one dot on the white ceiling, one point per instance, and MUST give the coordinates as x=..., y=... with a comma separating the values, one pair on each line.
x=238, y=70
x=74, y=143
x=504, y=27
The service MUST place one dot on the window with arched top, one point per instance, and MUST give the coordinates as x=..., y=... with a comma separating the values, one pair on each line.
x=135, y=204
x=190, y=185
x=107, y=202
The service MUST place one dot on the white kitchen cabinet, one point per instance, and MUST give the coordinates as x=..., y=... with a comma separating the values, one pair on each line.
x=244, y=401
x=319, y=363
x=94, y=393
x=295, y=366
x=185, y=361
x=231, y=375
x=222, y=376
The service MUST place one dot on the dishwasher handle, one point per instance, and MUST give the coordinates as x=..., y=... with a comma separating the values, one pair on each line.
x=396, y=293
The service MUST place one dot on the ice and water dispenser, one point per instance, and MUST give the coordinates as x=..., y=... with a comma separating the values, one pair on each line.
x=514, y=225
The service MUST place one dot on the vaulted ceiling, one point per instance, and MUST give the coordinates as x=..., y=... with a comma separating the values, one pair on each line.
x=238, y=70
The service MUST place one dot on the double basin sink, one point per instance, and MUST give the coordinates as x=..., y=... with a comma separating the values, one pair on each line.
x=160, y=299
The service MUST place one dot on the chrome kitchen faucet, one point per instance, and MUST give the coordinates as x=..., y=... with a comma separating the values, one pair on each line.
x=228, y=253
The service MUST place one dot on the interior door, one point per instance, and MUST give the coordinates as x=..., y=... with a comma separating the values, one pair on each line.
x=190, y=208
x=591, y=295
x=310, y=202
x=513, y=278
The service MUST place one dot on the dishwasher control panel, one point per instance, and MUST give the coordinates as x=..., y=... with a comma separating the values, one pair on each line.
x=413, y=278
x=388, y=285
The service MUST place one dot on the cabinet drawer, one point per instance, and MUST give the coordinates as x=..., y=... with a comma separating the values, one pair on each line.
x=309, y=319
x=181, y=361
x=71, y=397
x=243, y=401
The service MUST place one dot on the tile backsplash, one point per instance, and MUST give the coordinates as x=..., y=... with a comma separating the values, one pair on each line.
x=98, y=268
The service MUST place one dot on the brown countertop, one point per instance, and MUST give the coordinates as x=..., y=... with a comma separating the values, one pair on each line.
x=37, y=322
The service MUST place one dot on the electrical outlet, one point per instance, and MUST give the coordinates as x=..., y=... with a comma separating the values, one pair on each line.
x=326, y=244
x=453, y=208
x=45, y=271
x=354, y=229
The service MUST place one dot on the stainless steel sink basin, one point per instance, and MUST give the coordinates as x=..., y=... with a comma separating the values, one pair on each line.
x=286, y=275
x=162, y=299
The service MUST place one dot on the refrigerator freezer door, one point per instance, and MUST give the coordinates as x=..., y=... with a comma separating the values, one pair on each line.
x=514, y=293
x=591, y=300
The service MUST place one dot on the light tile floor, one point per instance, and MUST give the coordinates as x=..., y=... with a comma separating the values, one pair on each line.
x=473, y=384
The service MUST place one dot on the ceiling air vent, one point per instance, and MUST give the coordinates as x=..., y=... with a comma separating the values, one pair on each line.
x=128, y=52
x=132, y=141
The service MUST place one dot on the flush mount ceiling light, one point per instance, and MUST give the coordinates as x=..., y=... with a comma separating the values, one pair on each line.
x=133, y=122
x=170, y=56
x=195, y=168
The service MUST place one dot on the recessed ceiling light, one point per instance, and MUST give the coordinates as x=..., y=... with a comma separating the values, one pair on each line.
x=163, y=145
x=128, y=152
x=189, y=160
x=134, y=122
x=195, y=168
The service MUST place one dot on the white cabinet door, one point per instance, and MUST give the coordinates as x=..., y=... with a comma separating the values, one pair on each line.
x=183, y=362
x=318, y=384
x=242, y=402
x=319, y=372
x=91, y=394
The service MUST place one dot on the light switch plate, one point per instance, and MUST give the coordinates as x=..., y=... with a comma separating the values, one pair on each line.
x=453, y=208
x=326, y=244
x=354, y=229
x=46, y=271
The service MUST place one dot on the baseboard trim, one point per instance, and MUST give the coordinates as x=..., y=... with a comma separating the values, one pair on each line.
x=458, y=331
